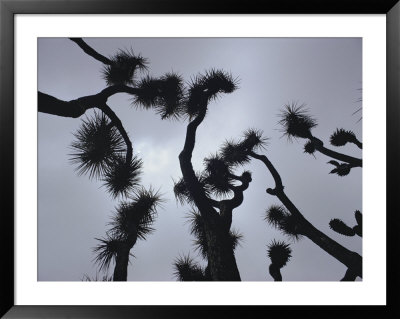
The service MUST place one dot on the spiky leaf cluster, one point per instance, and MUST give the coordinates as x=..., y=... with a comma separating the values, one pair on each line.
x=206, y=87
x=134, y=218
x=281, y=219
x=279, y=252
x=106, y=251
x=309, y=147
x=341, y=137
x=123, y=68
x=182, y=193
x=186, y=269
x=165, y=95
x=296, y=121
x=122, y=177
x=86, y=277
x=96, y=146
x=341, y=169
x=218, y=175
x=340, y=227
x=237, y=153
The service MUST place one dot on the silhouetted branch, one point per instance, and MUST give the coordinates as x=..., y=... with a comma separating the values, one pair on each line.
x=351, y=259
x=75, y=108
x=90, y=51
x=349, y=275
x=117, y=123
x=319, y=146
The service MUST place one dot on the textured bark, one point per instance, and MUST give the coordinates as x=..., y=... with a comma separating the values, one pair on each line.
x=121, y=263
x=221, y=258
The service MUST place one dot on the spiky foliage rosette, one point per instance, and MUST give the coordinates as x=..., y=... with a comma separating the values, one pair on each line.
x=197, y=229
x=341, y=137
x=165, y=95
x=133, y=219
x=181, y=192
x=340, y=227
x=342, y=169
x=122, y=177
x=237, y=153
x=296, y=121
x=123, y=68
x=106, y=251
x=218, y=175
x=97, y=144
x=186, y=269
x=309, y=147
x=205, y=87
x=281, y=219
x=279, y=252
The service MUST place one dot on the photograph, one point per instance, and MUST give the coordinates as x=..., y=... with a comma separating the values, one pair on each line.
x=199, y=159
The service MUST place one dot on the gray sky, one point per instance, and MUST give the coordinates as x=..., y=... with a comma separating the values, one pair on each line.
x=324, y=73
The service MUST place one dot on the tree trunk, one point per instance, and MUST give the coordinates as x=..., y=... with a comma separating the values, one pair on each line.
x=221, y=258
x=121, y=264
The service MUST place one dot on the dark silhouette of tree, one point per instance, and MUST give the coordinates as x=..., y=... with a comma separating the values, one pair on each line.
x=279, y=252
x=103, y=150
x=211, y=222
x=297, y=123
x=288, y=218
x=132, y=221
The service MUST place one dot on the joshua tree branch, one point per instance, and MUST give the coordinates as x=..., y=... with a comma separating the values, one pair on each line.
x=117, y=123
x=75, y=108
x=349, y=276
x=192, y=183
x=358, y=143
x=90, y=51
x=319, y=146
x=271, y=168
x=349, y=258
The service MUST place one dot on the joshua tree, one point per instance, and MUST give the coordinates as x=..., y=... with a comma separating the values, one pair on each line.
x=297, y=123
x=216, y=214
x=288, y=217
x=103, y=149
x=132, y=221
x=99, y=149
x=279, y=252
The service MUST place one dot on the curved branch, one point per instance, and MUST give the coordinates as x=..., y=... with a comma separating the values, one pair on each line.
x=118, y=124
x=271, y=168
x=75, y=108
x=90, y=51
x=319, y=146
x=189, y=176
x=349, y=258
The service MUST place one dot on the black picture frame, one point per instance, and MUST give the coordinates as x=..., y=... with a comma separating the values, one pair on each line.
x=8, y=9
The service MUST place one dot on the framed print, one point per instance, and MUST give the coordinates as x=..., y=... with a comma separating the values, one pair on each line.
x=156, y=145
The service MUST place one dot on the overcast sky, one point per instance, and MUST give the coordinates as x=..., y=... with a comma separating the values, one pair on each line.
x=324, y=73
